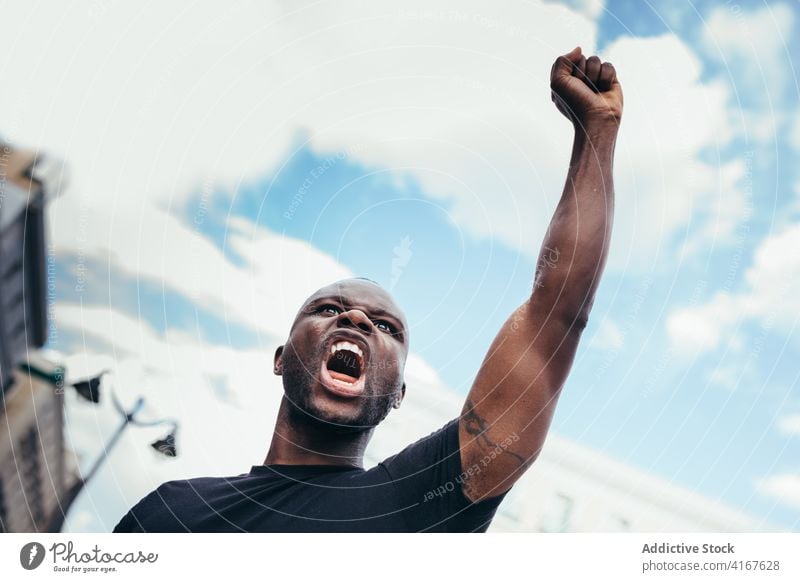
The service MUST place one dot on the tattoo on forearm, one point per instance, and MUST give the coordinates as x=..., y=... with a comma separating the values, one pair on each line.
x=476, y=426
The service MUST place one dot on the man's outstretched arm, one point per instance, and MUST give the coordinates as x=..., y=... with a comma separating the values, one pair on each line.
x=509, y=408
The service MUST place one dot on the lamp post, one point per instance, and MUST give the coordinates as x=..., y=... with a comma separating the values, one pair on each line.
x=165, y=446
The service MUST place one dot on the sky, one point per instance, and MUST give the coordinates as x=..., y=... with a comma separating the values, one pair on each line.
x=224, y=163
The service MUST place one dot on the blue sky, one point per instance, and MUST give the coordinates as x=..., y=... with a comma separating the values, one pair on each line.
x=423, y=152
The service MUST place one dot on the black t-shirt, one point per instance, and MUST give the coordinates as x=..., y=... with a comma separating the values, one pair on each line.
x=418, y=489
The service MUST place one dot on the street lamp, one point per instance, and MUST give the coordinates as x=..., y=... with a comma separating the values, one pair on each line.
x=165, y=446
x=89, y=389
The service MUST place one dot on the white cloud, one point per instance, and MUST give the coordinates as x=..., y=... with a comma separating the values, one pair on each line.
x=785, y=488
x=591, y=9
x=727, y=203
x=773, y=279
x=203, y=93
x=725, y=376
x=761, y=126
x=152, y=245
x=751, y=44
x=771, y=296
x=143, y=103
x=794, y=133
x=794, y=207
x=670, y=118
x=751, y=47
x=458, y=97
x=790, y=425
x=731, y=203
x=794, y=142
x=608, y=336
x=698, y=328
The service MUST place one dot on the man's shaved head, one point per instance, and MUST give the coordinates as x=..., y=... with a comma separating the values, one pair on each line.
x=344, y=359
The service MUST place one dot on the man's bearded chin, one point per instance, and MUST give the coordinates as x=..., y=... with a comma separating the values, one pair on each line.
x=298, y=378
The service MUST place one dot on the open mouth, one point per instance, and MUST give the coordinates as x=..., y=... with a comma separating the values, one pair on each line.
x=343, y=369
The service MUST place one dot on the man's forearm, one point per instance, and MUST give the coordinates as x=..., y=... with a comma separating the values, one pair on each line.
x=576, y=243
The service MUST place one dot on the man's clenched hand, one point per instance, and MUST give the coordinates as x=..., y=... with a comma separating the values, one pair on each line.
x=585, y=90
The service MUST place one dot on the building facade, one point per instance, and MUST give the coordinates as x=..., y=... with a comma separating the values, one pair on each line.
x=35, y=471
x=573, y=488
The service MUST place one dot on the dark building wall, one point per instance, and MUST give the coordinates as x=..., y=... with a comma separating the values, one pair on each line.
x=23, y=307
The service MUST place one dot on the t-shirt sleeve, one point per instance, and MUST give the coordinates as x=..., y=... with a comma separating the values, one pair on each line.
x=428, y=479
x=153, y=513
x=128, y=524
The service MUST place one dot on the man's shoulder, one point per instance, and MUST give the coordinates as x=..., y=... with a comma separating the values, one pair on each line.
x=166, y=507
x=197, y=484
x=440, y=443
x=179, y=488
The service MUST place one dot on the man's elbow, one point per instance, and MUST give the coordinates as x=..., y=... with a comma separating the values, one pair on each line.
x=570, y=310
x=574, y=321
x=580, y=321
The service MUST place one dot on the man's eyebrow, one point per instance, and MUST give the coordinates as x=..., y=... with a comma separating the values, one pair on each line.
x=323, y=298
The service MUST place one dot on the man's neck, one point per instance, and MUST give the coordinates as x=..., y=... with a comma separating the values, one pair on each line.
x=299, y=440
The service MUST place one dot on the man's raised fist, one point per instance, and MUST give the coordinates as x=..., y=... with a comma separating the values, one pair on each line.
x=585, y=90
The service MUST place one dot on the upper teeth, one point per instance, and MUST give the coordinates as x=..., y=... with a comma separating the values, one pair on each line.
x=346, y=346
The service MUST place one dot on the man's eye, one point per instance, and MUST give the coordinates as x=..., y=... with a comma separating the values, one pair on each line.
x=384, y=326
x=330, y=309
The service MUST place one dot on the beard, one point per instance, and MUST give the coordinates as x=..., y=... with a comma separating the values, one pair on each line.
x=299, y=378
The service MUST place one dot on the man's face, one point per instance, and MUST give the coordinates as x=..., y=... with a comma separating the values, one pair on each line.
x=343, y=362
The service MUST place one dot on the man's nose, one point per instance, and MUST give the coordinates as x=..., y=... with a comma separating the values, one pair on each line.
x=356, y=318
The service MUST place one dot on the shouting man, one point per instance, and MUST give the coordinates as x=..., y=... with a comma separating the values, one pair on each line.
x=342, y=370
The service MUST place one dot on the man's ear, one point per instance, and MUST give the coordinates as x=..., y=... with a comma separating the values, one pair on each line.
x=400, y=398
x=278, y=369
